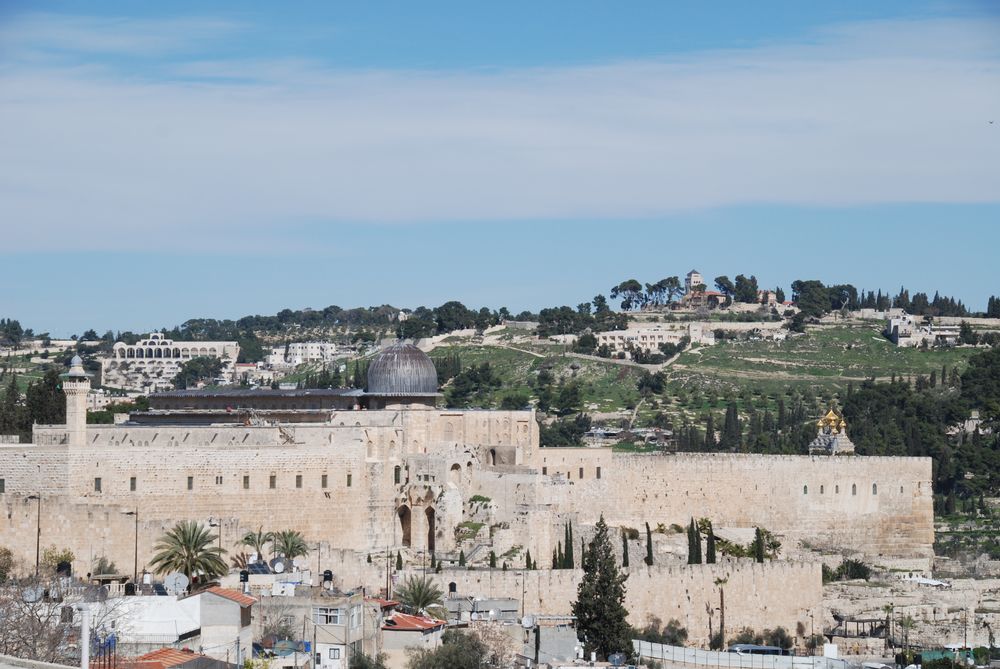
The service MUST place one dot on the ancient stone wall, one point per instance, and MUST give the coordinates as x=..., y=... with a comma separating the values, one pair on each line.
x=756, y=595
x=876, y=505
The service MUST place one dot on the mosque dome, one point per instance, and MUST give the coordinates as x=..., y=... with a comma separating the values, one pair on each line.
x=402, y=370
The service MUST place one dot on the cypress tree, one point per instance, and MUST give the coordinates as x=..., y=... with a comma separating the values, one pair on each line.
x=569, y=547
x=399, y=561
x=690, y=532
x=560, y=556
x=600, y=602
x=624, y=550
x=697, y=543
x=461, y=558
x=649, y=546
x=555, y=559
x=493, y=560
x=710, y=546
x=709, y=432
x=433, y=560
x=758, y=546
x=527, y=559
x=583, y=550
x=505, y=565
x=369, y=558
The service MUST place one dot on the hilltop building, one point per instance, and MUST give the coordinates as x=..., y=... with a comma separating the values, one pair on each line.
x=151, y=364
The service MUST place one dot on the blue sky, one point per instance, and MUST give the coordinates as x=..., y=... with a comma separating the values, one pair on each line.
x=172, y=160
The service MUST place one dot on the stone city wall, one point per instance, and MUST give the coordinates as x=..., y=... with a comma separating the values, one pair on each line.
x=876, y=505
x=756, y=595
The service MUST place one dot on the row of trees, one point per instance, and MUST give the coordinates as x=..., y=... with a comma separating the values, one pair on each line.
x=595, y=315
x=42, y=402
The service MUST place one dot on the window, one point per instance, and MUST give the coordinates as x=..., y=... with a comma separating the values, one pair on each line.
x=97, y=485
x=131, y=484
x=334, y=653
x=581, y=472
x=545, y=471
x=190, y=483
x=598, y=472
x=272, y=482
x=821, y=490
x=396, y=474
x=805, y=490
x=322, y=481
x=246, y=482
x=348, y=480
x=218, y=480
x=874, y=488
x=836, y=490
x=854, y=488
x=355, y=616
x=327, y=616
x=900, y=488
x=3, y=485
x=298, y=480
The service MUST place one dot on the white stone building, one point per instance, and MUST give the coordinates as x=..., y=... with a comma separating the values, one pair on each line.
x=151, y=363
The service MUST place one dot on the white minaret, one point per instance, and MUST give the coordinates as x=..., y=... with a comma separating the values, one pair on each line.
x=76, y=385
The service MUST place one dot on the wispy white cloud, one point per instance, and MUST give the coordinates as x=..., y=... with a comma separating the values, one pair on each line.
x=871, y=113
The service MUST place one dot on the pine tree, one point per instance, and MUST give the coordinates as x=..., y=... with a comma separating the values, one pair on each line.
x=399, y=561
x=710, y=546
x=461, y=558
x=624, y=550
x=493, y=560
x=649, y=546
x=600, y=603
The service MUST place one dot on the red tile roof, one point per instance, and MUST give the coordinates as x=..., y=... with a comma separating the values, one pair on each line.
x=165, y=658
x=403, y=622
x=232, y=595
x=384, y=603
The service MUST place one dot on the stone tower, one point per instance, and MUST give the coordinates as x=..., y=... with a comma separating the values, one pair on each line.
x=76, y=385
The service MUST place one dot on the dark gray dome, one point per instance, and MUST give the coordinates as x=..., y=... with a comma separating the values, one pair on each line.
x=402, y=369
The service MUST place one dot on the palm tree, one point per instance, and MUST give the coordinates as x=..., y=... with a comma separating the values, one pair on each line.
x=907, y=624
x=420, y=594
x=257, y=540
x=188, y=547
x=289, y=543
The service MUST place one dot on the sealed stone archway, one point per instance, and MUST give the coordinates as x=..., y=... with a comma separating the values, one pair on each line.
x=405, y=524
x=431, y=528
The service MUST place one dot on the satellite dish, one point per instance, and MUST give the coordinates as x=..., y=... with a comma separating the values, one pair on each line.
x=33, y=594
x=528, y=622
x=277, y=566
x=176, y=582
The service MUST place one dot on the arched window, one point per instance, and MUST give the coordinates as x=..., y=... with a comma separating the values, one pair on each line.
x=874, y=488
x=397, y=474
x=900, y=490
x=493, y=457
x=854, y=488
x=821, y=490
x=805, y=490
x=836, y=490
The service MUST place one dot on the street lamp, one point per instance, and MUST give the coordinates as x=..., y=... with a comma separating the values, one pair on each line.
x=135, y=561
x=213, y=523
x=38, y=530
